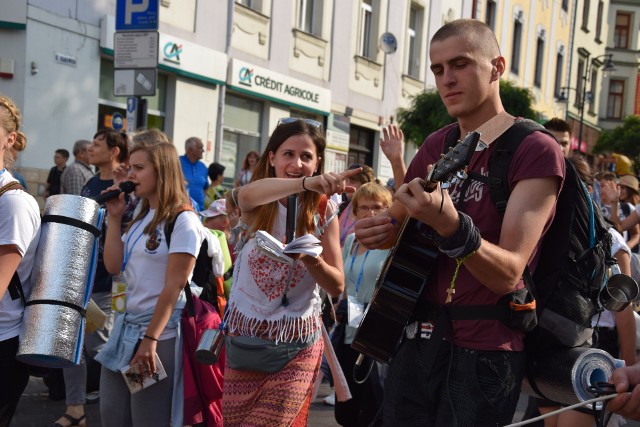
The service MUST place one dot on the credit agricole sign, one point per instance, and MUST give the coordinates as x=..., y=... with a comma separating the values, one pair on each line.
x=278, y=87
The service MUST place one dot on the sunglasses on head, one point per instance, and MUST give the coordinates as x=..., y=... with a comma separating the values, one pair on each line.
x=310, y=122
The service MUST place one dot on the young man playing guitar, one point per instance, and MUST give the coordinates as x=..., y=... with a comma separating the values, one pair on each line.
x=469, y=372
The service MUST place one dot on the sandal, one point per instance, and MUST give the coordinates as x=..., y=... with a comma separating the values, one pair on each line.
x=74, y=421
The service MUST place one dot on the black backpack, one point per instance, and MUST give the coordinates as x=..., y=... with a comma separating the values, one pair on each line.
x=574, y=255
x=213, y=290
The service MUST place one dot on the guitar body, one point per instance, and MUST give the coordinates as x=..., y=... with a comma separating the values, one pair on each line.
x=402, y=280
x=407, y=270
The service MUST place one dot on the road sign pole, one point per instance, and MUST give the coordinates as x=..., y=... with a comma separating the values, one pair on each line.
x=141, y=114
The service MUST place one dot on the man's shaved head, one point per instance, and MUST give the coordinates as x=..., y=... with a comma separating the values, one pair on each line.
x=476, y=32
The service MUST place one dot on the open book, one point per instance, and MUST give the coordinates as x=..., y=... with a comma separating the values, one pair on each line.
x=307, y=244
x=137, y=381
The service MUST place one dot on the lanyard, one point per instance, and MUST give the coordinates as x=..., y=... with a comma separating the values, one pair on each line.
x=353, y=259
x=345, y=232
x=127, y=249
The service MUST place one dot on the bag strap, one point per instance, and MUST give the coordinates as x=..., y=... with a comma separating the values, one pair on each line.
x=168, y=229
x=15, y=288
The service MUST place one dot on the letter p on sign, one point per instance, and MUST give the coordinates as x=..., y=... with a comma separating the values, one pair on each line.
x=132, y=8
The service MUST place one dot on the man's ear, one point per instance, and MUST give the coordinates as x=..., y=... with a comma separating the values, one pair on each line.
x=499, y=66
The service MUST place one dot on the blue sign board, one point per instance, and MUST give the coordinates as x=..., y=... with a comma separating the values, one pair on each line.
x=117, y=121
x=136, y=15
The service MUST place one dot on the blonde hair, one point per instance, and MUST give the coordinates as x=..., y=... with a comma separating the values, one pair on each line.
x=172, y=193
x=371, y=191
x=11, y=121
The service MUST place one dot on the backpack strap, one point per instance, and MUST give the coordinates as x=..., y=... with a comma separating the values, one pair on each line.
x=168, y=229
x=15, y=285
x=498, y=181
x=500, y=161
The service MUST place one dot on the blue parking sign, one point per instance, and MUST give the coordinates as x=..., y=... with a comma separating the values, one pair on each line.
x=136, y=15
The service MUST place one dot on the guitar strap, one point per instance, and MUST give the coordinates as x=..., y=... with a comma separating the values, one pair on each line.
x=491, y=130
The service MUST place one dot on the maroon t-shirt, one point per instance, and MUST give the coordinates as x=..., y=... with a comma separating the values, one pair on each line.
x=537, y=156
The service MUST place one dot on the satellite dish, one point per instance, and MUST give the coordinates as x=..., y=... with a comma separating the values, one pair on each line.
x=388, y=43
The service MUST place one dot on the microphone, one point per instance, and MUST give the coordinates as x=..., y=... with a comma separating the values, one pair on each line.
x=292, y=213
x=126, y=187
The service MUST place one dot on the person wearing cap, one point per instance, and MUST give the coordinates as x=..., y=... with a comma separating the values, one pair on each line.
x=619, y=197
x=216, y=189
x=215, y=218
x=628, y=185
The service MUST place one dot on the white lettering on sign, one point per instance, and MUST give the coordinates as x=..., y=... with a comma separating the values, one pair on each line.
x=131, y=8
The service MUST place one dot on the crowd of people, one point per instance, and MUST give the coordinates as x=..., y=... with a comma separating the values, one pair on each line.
x=449, y=372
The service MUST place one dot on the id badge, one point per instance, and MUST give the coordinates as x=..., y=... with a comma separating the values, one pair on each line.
x=118, y=293
x=355, y=310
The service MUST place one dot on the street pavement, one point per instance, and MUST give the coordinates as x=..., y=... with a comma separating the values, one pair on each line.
x=36, y=410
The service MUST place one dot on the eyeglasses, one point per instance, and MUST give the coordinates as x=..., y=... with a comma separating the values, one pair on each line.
x=375, y=209
x=310, y=122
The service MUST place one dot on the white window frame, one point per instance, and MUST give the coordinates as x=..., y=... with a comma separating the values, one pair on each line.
x=412, y=63
x=366, y=27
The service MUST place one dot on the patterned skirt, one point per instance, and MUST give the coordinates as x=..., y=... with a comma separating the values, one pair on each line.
x=254, y=399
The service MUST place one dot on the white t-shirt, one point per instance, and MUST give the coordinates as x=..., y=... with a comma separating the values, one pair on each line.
x=606, y=318
x=147, y=255
x=20, y=226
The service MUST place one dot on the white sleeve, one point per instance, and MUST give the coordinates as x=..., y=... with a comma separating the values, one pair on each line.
x=215, y=252
x=19, y=221
x=618, y=242
x=186, y=236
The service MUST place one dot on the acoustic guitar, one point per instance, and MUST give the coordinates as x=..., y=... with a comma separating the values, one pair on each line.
x=408, y=267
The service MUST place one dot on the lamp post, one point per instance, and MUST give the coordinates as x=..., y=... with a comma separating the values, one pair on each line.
x=608, y=69
x=564, y=98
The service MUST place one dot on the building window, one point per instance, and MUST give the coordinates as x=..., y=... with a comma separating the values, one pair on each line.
x=310, y=17
x=615, y=100
x=537, y=75
x=490, y=16
x=241, y=133
x=366, y=24
x=565, y=5
x=592, y=90
x=599, y=21
x=585, y=16
x=579, y=82
x=515, y=53
x=621, y=34
x=413, y=42
x=251, y=4
x=557, y=89
x=360, y=146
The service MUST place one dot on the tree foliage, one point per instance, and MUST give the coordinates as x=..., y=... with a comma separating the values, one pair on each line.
x=623, y=139
x=427, y=113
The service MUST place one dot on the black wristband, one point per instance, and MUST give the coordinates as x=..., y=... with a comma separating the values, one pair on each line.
x=465, y=240
x=303, y=187
x=151, y=338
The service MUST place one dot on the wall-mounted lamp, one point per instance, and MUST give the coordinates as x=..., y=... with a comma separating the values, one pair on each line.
x=34, y=68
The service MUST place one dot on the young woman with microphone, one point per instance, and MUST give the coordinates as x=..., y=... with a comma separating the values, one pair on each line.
x=155, y=275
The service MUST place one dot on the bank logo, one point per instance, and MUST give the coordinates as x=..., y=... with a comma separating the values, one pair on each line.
x=245, y=76
x=172, y=52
